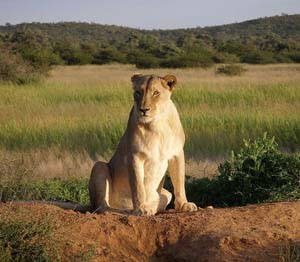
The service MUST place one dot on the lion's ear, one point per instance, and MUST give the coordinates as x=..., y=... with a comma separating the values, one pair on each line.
x=135, y=77
x=171, y=81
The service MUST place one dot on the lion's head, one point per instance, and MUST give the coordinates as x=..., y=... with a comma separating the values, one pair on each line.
x=151, y=95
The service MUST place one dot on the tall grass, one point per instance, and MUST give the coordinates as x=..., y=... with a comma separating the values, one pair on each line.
x=86, y=109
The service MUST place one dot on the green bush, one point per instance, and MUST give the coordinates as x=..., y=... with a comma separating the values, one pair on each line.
x=108, y=55
x=258, y=173
x=26, y=56
x=14, y=69
x=143, y=59
x=27, y=241
x=294, y=56
x=72, y=190
x=76, y=57
x=187, y=60
x=257, y=57
x=220, y=57
x=35, y=48
x=147, y=61
x=283, y=57
x=231, y=70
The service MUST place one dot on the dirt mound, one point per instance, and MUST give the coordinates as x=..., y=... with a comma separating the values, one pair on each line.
x=251, y=233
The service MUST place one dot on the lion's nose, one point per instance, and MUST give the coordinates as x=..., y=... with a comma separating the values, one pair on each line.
x=144, y=110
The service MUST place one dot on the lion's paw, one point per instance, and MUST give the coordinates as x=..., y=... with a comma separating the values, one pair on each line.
x=101, y=209
x=142, y=211
x=188, y=207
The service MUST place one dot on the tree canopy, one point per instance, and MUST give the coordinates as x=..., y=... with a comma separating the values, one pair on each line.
x=260, y=41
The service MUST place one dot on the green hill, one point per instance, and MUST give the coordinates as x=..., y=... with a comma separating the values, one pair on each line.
x=260, y=41
x=284, y=26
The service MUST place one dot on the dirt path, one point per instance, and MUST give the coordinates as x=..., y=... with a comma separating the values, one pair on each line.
x=251, y=233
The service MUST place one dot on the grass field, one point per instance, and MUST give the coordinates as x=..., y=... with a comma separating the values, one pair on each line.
x=81, y=112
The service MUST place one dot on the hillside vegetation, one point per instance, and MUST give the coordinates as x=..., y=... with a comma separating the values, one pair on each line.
x=35, y=47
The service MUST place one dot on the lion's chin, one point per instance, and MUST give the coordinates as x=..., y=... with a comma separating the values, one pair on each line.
x=145, y=119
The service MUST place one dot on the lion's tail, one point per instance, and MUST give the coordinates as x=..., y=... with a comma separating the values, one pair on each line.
x=65, y=205
x=71, y=206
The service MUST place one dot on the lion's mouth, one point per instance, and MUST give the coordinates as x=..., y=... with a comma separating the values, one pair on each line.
x=144, y=118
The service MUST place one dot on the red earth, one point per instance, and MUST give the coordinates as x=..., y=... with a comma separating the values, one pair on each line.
x=250, y=233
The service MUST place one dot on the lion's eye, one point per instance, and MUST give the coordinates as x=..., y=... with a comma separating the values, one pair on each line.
x=137, y=94
x=156, y=93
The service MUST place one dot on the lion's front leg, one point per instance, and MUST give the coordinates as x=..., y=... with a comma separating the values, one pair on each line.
x=177, y=173
x=138, y=192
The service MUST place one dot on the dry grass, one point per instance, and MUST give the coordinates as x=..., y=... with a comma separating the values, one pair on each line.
x=46, y=164
x=53, y=163
x=289, y=252
x=83, y=109
x=259, y=74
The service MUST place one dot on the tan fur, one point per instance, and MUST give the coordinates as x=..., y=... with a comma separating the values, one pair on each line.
x=152, y=144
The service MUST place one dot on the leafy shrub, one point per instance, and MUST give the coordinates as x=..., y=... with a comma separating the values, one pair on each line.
x=294, y=56
x=72, y=190
x=259, y=172
x=283, y=57
x=186, y=60
x=25, y=57
x=76, y=57
x=14, y=69
x=108, y=55
x=22, y=241
x=35, y=48
x=257, y=57
x=220, y=57
x=146, y=61
x=231, y=70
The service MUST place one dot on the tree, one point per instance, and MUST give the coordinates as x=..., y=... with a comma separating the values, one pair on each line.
x=34, y=47
x=108, y=55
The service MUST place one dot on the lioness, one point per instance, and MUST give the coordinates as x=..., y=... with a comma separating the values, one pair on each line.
x=152, y=143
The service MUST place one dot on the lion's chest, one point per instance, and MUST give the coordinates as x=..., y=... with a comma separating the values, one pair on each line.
x=158, y=145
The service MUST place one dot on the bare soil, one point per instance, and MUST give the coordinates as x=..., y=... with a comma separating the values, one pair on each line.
x=251, y=233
